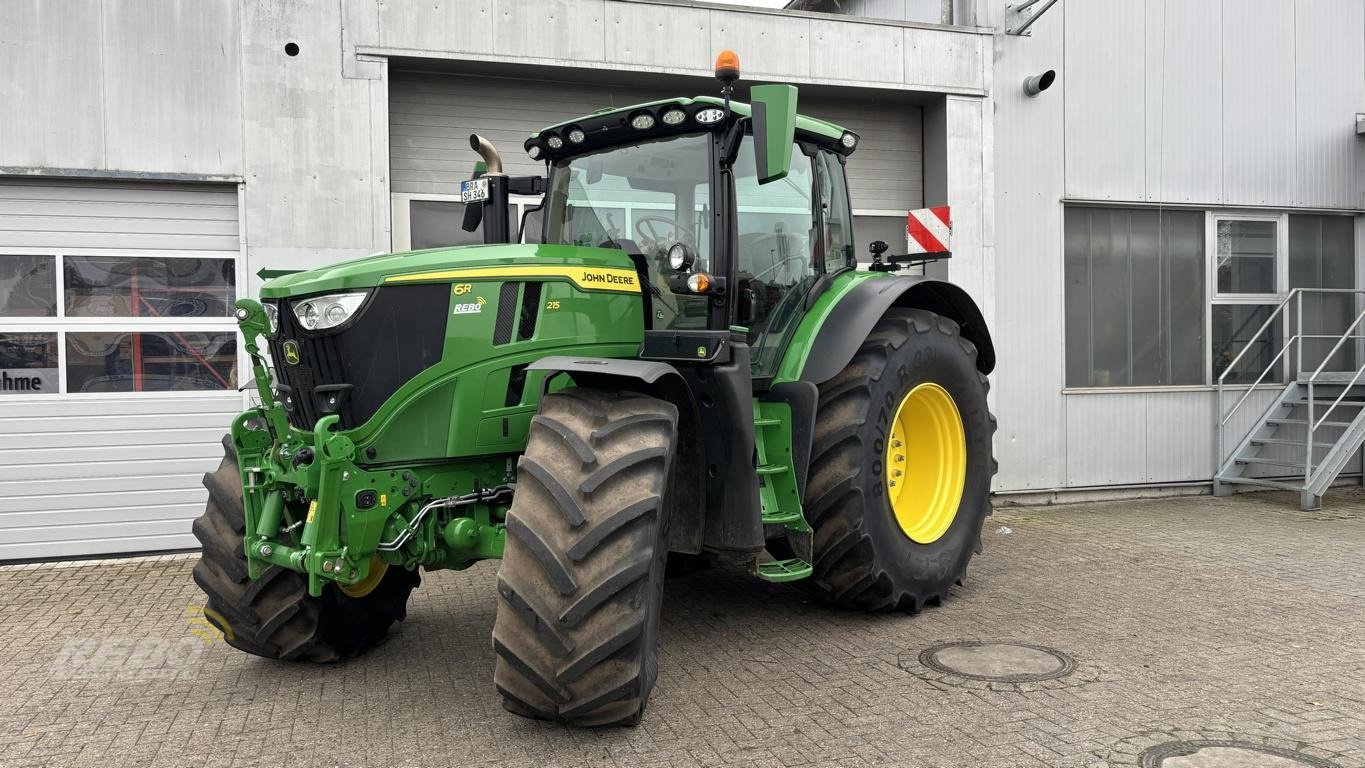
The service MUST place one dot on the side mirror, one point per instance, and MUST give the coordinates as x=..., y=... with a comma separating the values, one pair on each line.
x=774, y=123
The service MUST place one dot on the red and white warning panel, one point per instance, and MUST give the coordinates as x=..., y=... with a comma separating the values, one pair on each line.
x=929, y=230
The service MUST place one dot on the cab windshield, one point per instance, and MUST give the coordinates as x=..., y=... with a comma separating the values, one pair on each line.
x=640, y=197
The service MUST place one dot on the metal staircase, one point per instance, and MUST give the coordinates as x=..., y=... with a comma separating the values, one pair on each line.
x=1316, y=423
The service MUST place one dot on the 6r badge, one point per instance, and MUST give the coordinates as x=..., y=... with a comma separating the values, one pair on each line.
x=291, y=352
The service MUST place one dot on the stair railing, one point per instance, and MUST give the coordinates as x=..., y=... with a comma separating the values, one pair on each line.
x=1349, y=333
x=1295, y=341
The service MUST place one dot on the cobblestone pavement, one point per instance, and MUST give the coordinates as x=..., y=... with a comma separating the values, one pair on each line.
x=1193, y=618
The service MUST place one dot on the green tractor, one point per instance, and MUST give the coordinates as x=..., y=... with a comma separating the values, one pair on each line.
x=689, y=365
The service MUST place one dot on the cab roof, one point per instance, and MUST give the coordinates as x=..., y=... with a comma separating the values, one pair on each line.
x=613, y=126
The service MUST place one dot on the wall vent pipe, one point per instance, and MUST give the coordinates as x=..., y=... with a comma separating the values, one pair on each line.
x=1038, y=83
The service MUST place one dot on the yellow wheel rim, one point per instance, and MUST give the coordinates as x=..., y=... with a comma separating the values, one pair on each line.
x=366, y=585
x=926, y=463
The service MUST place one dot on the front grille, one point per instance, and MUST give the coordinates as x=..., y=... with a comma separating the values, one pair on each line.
x=399, y=332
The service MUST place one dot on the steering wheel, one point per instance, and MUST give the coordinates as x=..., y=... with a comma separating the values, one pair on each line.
x=648, y=227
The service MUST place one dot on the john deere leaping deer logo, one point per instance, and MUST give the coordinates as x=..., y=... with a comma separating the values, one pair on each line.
x=291, y=352
x=207, y=624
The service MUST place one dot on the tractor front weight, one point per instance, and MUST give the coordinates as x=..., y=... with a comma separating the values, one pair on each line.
x=310, y=508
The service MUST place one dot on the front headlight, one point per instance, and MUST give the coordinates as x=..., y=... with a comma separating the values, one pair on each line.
x=321, y=312
x=272, y=316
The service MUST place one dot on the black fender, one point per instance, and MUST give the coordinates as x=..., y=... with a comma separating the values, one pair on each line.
x=685, y=513
x=853, y=317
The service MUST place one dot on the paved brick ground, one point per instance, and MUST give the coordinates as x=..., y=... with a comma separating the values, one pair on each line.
x=1192, y=618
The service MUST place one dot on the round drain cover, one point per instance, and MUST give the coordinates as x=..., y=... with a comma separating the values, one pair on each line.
x=1217, y=753
x=998, y=662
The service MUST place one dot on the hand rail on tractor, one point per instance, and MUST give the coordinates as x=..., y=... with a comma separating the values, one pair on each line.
x=1296, y=342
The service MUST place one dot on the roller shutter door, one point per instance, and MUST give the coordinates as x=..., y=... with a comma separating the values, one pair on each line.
x=432, y=115
x=120, y=359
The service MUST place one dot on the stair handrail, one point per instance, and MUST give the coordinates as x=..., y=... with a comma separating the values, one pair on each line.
x=1313, y=425
x=1279, y=309
x=1295, y=295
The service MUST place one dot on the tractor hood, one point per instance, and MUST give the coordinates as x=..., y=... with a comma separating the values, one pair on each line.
x=607, y=269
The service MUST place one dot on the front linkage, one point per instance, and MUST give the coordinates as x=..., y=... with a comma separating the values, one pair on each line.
x=310, y=508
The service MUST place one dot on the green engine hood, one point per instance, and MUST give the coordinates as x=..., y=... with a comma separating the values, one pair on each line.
x=605, y=269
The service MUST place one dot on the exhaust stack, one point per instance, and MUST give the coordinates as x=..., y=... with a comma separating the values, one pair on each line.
x=488, y=152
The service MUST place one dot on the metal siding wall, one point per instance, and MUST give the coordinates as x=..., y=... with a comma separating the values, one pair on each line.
x=1030, y=442
x=1230, y=104
x=432, y=115
x=91, y=475
x=1106, y=439
x=1179, y=436
x=1258, y=103
x=1329, y=90
x=1186, y=147
x=887, y=171
x=1104, y=78
x=61, y=214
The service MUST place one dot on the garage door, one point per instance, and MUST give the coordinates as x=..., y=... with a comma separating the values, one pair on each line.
x=118, y=361
x=432, y=115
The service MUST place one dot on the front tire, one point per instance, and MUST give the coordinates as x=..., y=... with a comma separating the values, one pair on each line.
x=866, y=557
x=581, y=580
x=274, y=616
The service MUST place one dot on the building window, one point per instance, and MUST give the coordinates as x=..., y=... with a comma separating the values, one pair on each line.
x=437, y=221
x=1138, y=288
x=99, y=323
x=1250, y=278
x=1322, y=255
x=1134, y=301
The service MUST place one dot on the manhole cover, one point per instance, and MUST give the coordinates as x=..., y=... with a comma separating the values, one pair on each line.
x=998, y=662
x=1220, y=753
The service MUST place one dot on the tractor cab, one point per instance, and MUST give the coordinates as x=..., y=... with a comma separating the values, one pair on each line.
x=733, y=213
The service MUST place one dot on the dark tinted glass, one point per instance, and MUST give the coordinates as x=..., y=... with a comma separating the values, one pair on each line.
x=1134, y=303
x=1322, y=255
x=439, y=223
x=28, y=363
x=1235, y=328
x=138, y=286
x=28, y=286
x=150, y=362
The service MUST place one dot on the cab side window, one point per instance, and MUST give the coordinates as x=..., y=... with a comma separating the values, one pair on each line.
x=776, y=260
x=836, y=213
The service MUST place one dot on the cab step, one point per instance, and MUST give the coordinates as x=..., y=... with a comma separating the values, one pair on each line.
x=782, y=517
x=779, y=571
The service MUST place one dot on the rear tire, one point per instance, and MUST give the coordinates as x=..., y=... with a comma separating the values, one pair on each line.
x=581, y=579
x=274, y=616
x=863, y=557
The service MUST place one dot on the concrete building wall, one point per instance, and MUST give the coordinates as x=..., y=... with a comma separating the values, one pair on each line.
x=125, y=88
